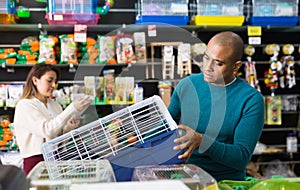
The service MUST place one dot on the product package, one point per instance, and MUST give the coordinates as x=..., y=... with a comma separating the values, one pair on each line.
x=140, y=47
x=273, y=110
x=106, y=46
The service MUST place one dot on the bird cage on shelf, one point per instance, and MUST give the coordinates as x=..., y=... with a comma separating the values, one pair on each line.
x=218, y=13
x=274, y=12
x=76, y=11
x=163, y=11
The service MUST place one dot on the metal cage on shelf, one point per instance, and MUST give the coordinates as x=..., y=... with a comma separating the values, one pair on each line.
x=163, y=11
x=74, y=11
x=125, y=137
x=64, y=173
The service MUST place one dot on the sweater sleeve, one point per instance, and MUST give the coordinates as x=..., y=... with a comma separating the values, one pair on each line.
x=174, y=106
x=247, y=133
x=29, y=115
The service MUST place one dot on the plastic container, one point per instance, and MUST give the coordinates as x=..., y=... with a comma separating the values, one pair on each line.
x=157, y=151
x=219, y=13
x=291, y=143
x=138, y=93
x=57, y=18
x=140, y=134
x=191, y=175
x=145, y=185
x=61, y=174
x=74, y=12
x=274, y=12
x=163, y=11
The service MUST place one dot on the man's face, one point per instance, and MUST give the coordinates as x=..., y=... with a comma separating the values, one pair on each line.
x=218, y=67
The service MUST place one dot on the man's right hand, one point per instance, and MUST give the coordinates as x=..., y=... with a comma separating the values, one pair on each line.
x=190, y=141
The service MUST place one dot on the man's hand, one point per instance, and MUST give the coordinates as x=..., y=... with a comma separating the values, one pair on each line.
x=189, y=141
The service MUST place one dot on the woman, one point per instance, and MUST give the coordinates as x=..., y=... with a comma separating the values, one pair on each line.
x=38, y=118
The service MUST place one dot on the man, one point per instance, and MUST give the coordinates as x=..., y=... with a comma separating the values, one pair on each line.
x=221, y=116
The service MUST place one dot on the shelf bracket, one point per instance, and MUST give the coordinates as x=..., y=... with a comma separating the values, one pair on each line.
x=9, y=70
x=72, y=69
x=42, y=30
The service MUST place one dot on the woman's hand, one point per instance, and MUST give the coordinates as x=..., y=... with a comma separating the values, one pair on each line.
x=189, y=141
x=72, y=124
x=82, y=103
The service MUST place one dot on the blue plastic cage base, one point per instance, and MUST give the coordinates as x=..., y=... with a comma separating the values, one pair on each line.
x=156, y=151
x=174, y=20
x=274, y=21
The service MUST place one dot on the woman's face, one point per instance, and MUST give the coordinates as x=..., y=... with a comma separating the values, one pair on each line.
x=46, y=84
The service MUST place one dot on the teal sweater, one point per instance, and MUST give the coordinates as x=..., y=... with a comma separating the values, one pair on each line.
x=230, y=118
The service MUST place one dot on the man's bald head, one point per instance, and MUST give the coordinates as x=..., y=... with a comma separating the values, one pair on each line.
x=230, y=39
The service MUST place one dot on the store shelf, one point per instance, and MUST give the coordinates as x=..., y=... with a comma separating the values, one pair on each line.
x=280, y=129
x=65, y=65
x=136, y=27
x=282, y=162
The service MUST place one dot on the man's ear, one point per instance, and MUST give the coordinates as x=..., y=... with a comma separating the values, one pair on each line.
x=237, y=65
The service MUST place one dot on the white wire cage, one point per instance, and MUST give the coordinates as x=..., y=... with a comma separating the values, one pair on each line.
x=72, y=6
x=220, y=8
x=191, y=175
x=110, y=135
x=70, y=172
x=3, y=7
x=163, y=7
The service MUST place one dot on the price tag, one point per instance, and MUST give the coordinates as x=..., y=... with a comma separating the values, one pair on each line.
x=179, y=8
x=152, y=30
x=80, y=33
x=254, y=40
x=58, y=18
x=254, y=30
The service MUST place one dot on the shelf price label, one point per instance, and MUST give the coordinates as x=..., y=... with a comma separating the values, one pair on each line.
x=254, y=40
x=254, y=30
x=80, y=33
x=254, y=33
x=152, y=31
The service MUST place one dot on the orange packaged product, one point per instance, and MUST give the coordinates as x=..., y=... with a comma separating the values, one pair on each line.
x=5, y=123
x=9, y=50
x=31, y=57
x=3, y=143
x=6, y=131
x=34, y=44
x=6, y=137
x=3, y=55
x=11, y=61
x=90, y=41
x=31, y=62
x=50, y=62
x=23, y=52
x=35, y=48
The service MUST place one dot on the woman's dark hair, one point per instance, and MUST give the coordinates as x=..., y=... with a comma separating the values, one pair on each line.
x=37, y=71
